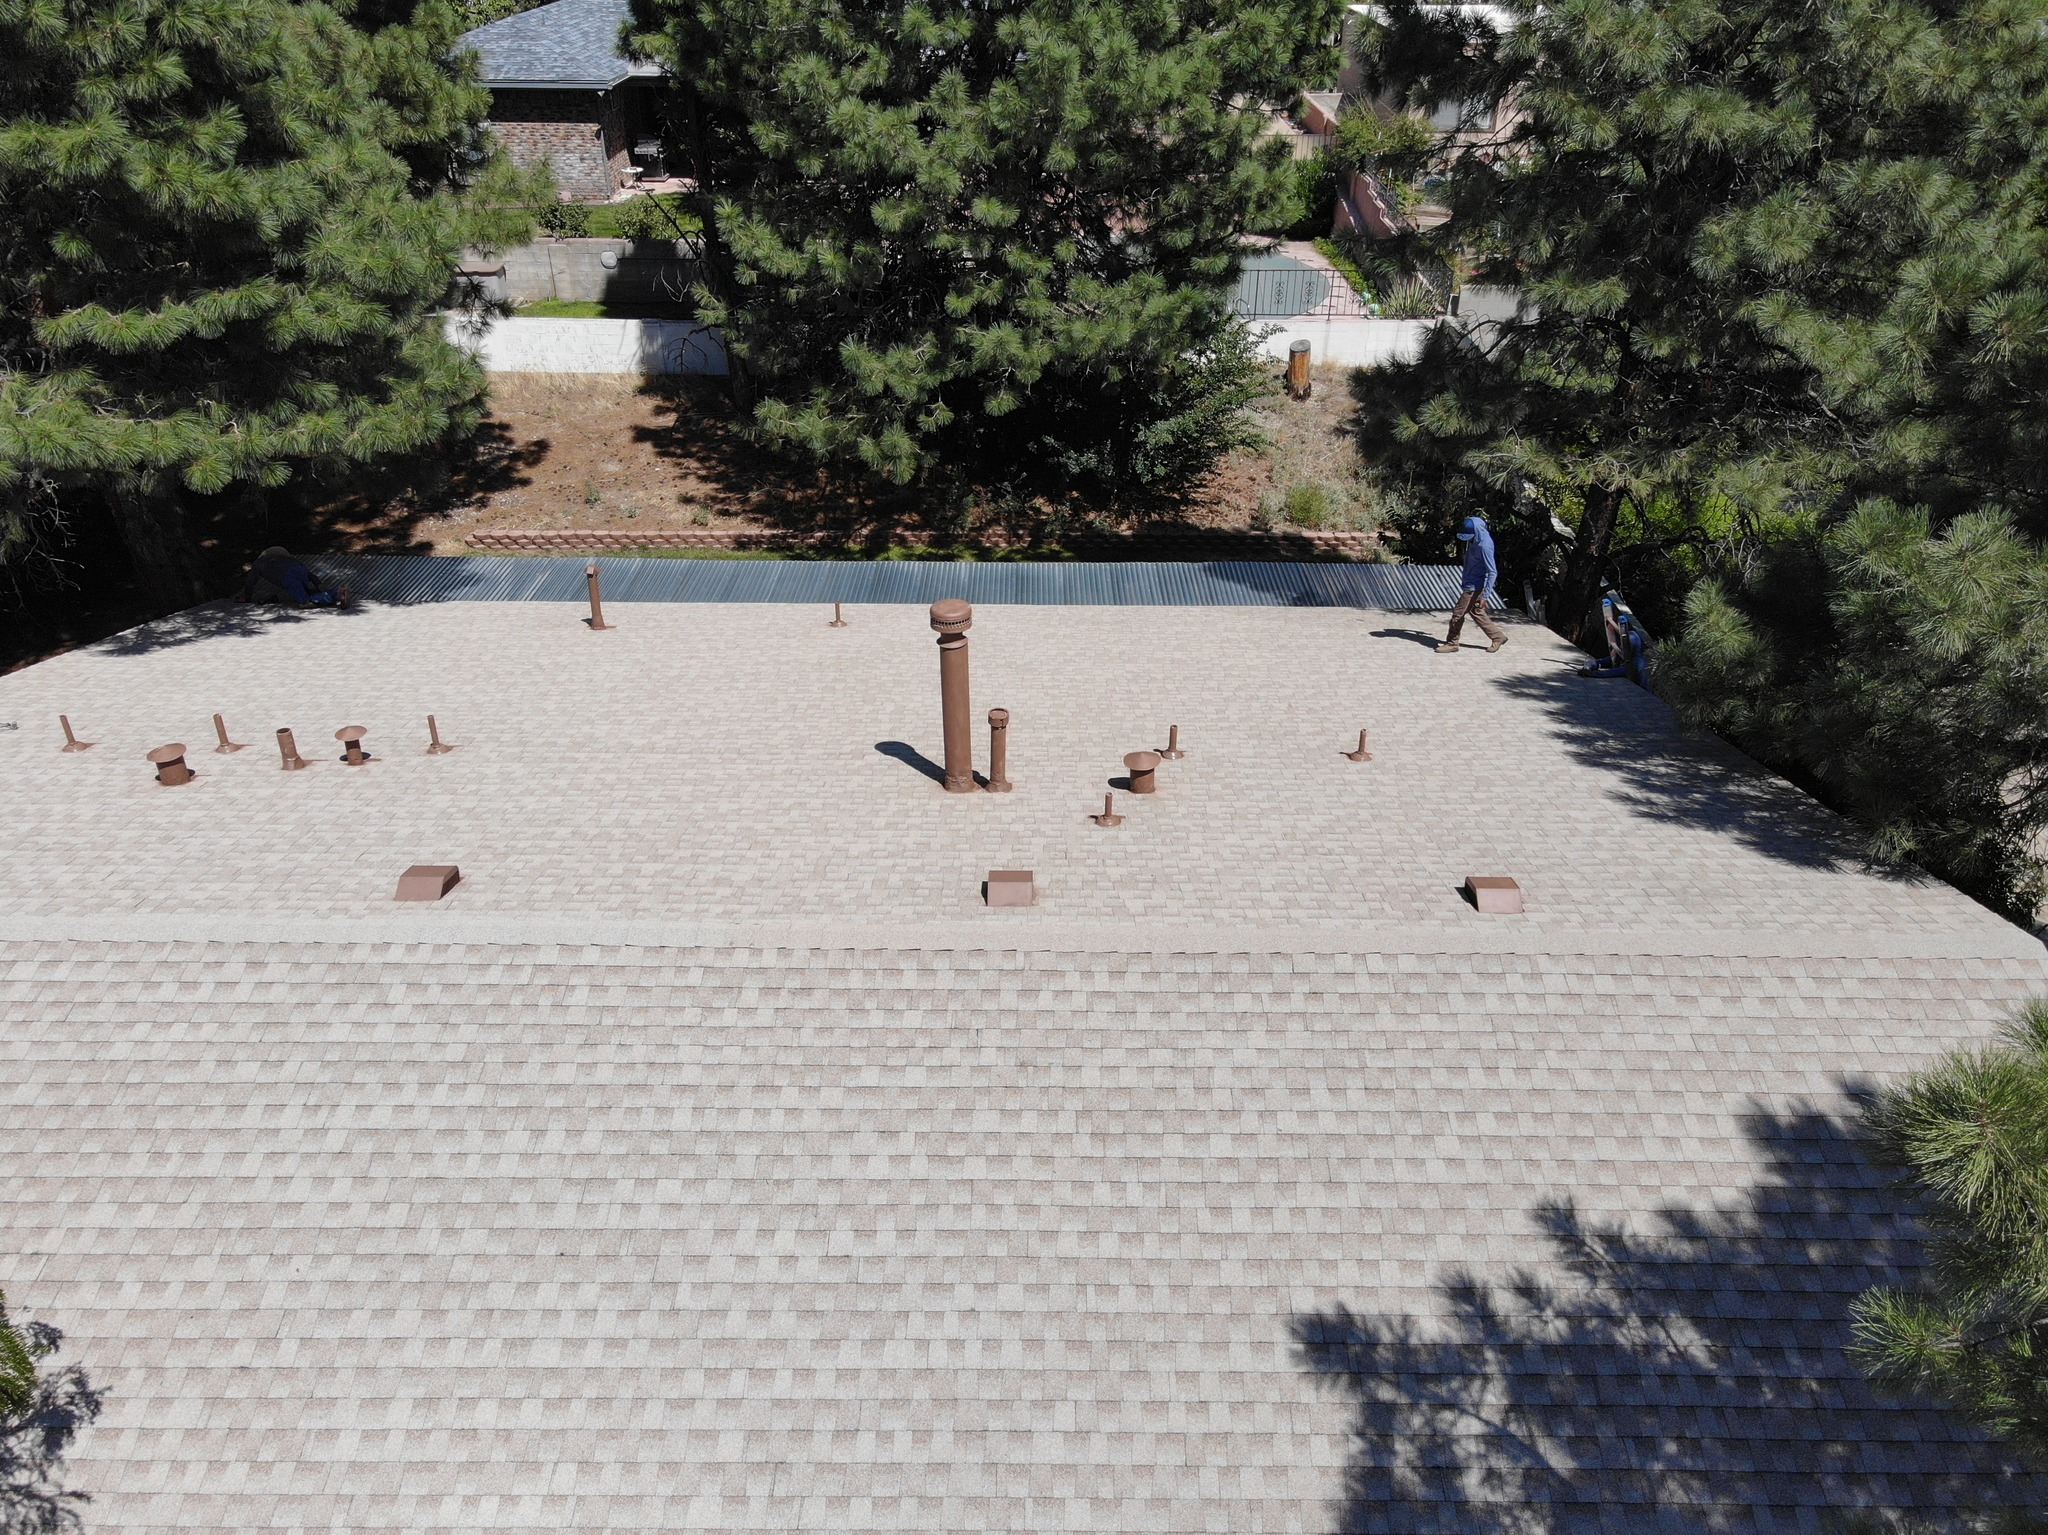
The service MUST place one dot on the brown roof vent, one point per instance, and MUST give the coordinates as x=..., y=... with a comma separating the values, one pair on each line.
x=427, y=881
x=1494, y=894
x=1011, y=887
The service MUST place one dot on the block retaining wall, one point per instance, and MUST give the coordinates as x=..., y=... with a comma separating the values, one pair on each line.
x=1222, y=544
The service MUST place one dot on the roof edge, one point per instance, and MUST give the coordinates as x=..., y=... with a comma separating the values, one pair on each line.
x=559, y=85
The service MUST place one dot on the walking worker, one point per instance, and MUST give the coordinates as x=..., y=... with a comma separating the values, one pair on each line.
x=1480, y=575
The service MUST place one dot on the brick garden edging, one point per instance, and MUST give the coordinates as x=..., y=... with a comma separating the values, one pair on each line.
x=1190, y=543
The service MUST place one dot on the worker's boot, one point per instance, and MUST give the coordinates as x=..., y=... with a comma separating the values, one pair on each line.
x=1490, y=649
x=1448, y=647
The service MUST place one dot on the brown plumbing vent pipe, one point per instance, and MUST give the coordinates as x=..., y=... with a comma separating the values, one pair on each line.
x=999, y=752
x=288, y=749
x=439, y=746
x=71, y=742
x=838, y=618
x=952, y=618
x=1361, y=755
x=1109, y=817
x=596, y=619
x=170, y=764
x=1173, y=753
x=220, y=729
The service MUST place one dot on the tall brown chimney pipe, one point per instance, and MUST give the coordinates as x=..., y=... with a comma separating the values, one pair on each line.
x=952, y=618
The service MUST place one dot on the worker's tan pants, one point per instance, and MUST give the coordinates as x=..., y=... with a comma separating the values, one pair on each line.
x=1473, y=605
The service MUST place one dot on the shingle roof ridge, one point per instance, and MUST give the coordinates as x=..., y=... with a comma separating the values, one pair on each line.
x=1010, y=932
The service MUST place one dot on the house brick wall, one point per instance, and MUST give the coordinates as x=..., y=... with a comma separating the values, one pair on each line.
x=582, y=134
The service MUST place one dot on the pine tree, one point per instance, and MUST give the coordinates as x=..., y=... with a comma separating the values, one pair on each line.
x=996, y=234
x=1903, y=673
x=1971, y=1137
x=1889, y=648
x=1913, y=284
x=225, y=226
x=1746, y=235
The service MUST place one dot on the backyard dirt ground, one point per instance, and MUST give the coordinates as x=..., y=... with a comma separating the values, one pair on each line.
x=600, y=452
x=596, y=451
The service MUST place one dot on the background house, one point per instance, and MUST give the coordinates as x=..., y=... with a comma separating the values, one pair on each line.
x=1364, y=206
x=563, y=91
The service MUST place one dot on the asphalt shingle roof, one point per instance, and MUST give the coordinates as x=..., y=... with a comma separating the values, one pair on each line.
x=711, y=1159
x=569, y=44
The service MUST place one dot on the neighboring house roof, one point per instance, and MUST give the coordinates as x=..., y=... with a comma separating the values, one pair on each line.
x=1499, y=17
x=569, y=45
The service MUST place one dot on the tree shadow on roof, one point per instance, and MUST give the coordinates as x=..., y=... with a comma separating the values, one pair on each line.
x=1700, y=782
x=1689, y=1381
x=215, y=620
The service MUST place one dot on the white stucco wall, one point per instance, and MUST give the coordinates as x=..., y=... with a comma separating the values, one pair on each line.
x=1346, y=342
x=592, y=346
x=685, y=346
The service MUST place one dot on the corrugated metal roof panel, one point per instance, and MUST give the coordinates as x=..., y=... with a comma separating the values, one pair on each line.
x=1216, y=583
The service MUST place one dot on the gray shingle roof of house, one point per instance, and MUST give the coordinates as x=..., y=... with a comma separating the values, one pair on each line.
x=571, y=43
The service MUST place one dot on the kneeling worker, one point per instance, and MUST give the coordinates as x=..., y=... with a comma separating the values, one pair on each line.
x=280, y=576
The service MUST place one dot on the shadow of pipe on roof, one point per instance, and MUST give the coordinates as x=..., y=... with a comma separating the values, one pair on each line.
x=1662, y=774
x=910, y=756
x=1689, y=1380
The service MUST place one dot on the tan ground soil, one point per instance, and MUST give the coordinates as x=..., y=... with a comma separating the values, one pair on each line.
x=576, y=451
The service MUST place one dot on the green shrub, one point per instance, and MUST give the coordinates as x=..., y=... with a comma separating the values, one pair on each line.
x=563, y=219
x=1339, y=254
x=1311, y=202
x=1309, y=505
x=1324, y=506
x=1410, y=301
x=1392, y=148
x=642, y=218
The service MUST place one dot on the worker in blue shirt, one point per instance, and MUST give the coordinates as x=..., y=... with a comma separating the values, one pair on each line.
x=280, y=576
x=1477, y=581
x=1627, y=651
